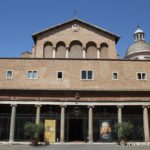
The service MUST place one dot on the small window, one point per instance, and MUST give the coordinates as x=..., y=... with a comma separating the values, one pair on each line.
x=9, y=74
x=90, y=75
x=84, y=77
x=141, y=76
x=60, y=75
x=32, y=74
x=114, y=76
x=87, y=75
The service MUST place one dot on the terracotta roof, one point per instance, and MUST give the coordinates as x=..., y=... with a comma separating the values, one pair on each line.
x=76, y=20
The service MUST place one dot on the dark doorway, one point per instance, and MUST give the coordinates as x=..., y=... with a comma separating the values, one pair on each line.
x=75, y=130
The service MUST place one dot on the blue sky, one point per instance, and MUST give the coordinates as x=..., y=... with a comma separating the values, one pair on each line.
x=19, y=19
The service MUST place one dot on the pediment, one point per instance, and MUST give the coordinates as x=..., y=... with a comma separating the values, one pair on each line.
x=73, y=25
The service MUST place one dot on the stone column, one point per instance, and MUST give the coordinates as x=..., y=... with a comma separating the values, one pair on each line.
x=146, y=124
x=62, y=124
x=12, y=124
x=119, y=114
x=54, y=52
x=84, y=52
x=38, y=113
x=138, y=37
x=98, y=52
x=67, y=52
x=90, y=124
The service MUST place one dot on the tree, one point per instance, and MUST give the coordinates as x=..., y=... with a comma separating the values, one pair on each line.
x=123, y=130
x=33, y=131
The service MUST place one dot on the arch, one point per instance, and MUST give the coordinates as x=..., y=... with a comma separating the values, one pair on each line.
x=60, y=50
x=75, y=49
x=48, y=50
x=91, y=50
x=104, y=50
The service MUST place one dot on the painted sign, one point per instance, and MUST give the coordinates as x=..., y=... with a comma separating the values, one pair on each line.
x=50, y=131
x=105, y=130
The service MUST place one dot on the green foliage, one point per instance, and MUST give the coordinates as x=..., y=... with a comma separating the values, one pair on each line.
x=30, y=130
x=123, y=130
x=33, y=131
x=40, y=129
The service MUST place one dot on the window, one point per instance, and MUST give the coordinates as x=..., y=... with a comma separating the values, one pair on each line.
x=9, y=74
x=141, y=76
x=87, y=75
x=114, y=76
x=84, y=74
x=32, y=74
x=60, y=75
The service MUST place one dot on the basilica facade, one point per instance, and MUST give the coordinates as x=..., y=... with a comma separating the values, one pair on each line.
x=74, y=76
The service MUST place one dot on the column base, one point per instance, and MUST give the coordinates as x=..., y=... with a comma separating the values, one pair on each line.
x=10, y=142
x=147, y=141
x=90, y=142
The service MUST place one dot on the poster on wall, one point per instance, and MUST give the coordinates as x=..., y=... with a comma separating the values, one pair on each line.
x=50, y=131
x=105, y=130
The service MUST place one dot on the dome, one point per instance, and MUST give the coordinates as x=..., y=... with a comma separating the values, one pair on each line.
x=140, y=49
x=139, y=46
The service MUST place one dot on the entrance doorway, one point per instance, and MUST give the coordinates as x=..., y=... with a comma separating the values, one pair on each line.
x=75, y=130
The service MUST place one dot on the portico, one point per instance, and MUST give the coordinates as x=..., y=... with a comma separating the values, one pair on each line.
x=87, y=115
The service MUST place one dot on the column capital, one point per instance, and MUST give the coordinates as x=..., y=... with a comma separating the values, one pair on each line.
x=90, y=106
x=67, y=48
x=63, y=106
x=38, y=105
x=13, y=105
x=120, y=106
x=83, y=48
x=145, y=106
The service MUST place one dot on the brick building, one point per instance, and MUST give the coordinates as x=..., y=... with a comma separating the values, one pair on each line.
x=74, y=75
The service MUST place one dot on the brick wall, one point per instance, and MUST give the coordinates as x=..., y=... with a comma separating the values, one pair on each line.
x=47, y=69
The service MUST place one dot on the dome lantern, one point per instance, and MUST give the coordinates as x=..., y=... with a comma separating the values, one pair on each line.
x=139, y=34
x=139, y=49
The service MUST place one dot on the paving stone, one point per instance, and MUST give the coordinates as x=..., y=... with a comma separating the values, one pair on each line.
x=74, y=147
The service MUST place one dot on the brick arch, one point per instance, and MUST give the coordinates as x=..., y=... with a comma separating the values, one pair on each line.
x=60, y=49
x=104, y=50
x=91, y=50
x=76, y=49
x=48, y=50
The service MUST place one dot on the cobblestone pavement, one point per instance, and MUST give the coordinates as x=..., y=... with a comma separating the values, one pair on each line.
x=73, y=147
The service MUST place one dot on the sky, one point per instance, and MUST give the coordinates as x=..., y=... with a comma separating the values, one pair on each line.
x=19, y=19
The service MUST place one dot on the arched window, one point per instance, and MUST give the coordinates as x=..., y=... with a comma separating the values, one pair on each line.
x=60, y=50
x=75, y=50
x=91, y=50
x=104, y=50
x=48, y=50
